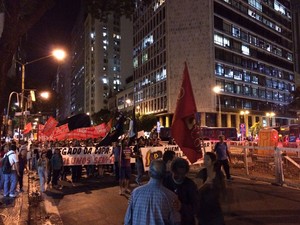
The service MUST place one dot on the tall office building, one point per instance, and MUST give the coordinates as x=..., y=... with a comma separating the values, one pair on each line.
x=102, y=59
x=245, y=47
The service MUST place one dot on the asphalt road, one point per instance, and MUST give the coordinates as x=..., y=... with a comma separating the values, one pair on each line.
x=97, y=202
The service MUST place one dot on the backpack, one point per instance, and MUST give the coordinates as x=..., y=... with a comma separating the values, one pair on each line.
x=6, y=166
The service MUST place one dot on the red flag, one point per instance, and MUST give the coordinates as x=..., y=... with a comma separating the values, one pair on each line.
x=184, y=121
x=60, y=132
x=27, y=128
x=50, y=126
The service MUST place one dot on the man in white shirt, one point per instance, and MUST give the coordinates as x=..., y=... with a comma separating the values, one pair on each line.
x=11, y=179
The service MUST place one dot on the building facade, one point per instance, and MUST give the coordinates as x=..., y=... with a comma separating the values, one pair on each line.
x=102, y=59
x=245, y=47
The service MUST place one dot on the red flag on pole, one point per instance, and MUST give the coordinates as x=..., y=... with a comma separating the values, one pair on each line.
x=27, y=128
x=50, y=126
x=184, y=121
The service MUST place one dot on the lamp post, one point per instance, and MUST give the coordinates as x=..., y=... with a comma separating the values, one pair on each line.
x=7, y=111
x=217, y=90
x=244, y=124
x=57, y=53
x=270, y=115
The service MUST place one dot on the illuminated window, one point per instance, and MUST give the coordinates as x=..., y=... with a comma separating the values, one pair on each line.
x=245, y=50
x=145, y=57
x=135, y=62
x=236, y=31
x=105, y=81
x=256, y=4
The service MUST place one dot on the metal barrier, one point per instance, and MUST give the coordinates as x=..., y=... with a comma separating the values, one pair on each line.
x=276, y=165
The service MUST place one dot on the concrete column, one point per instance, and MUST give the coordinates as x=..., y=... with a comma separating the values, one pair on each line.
x=167, y=121
x=253, y=119
x=202, y=119
x=228, y=120
x=238, y=121
x=161, y=121
x=246, y=124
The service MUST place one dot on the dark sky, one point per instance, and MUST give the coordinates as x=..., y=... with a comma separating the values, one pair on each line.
x=52, y=31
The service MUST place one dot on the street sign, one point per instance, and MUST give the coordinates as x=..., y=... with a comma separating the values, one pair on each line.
x=242, y=128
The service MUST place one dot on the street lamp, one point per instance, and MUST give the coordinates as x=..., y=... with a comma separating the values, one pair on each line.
x=244, y=124
x=57, y=53
x=270, y=115
x=217, y=90
x=244, y=114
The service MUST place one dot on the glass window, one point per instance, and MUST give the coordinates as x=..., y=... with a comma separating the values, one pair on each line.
x=245, y=50
x=275, y=96
x=228, y=73
x=269, y=83
x=253, y=39
x=281, y=97
x=237, y=75
x=244, y=36
x=269, y=95
x=262, y=93
x=254, y=79
x=275, y=84
x=229, y=87
x=254, y=92
x=219, y=69
x=235, y=31
x=256, y=4
x=247, y=77
x=247, y=90
x=238, y=89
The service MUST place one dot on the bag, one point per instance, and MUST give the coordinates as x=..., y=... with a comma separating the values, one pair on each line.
x=6, y=166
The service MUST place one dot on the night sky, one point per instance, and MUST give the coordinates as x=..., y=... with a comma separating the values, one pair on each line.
x=52, y=31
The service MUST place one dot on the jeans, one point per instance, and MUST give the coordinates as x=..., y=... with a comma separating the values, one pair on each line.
x=55, y=177
x=43, y=177
x=10, y=183
x=226, y=167
x=140, y=171
x=1, y=179
x=20, y=178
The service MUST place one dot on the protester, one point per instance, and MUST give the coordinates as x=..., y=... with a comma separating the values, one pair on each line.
x=139, y=160
x=221, y=149
x=57, y=166
x=213, y=188
x=3, y=150
x=168, y=157
x=116, y=154
x=153, y=203
x=42, y=167
x=22, y=157
x=49, y=155
x=35, y=157
x=185, y=188
x=125, y=168
x=11, y=179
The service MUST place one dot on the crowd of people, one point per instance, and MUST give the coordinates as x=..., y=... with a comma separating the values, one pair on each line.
x=171, y=197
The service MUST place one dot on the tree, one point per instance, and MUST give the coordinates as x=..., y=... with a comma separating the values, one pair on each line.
x=256, y=127
x=146, y=122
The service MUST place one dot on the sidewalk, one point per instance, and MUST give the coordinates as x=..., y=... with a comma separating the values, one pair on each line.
x=15, y=211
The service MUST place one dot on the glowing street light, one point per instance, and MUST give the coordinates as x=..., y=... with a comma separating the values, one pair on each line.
x=45, y=94
x=59, y=54
x=217, y=90
x=270, y=115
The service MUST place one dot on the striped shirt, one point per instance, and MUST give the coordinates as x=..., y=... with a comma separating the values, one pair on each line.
x=152, y=204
